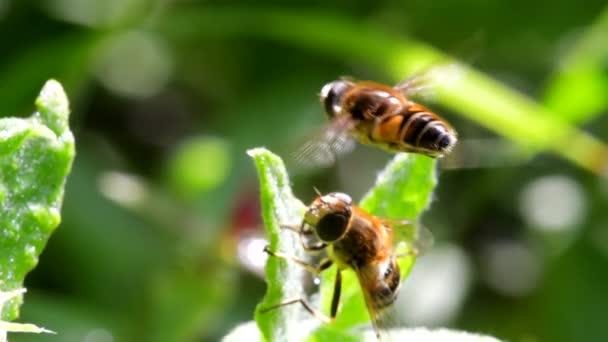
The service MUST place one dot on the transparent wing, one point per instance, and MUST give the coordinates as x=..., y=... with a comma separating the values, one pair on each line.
x=484, y=153
x=422, y=84
x=413, y=234
x=324, y=147
x=382, y=320
x=414, y=238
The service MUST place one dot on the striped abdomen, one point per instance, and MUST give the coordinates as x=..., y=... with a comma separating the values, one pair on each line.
x=413, y=128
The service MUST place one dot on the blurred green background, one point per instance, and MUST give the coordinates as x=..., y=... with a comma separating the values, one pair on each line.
x=161, y=236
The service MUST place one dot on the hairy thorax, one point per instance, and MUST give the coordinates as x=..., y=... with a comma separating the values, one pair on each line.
x=366, y=242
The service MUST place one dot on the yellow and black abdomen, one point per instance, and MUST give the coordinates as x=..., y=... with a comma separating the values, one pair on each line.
x=414, y=128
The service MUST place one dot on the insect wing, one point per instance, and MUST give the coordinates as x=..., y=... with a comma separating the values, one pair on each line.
x=382, y=320
x=422, y=84
x=483, y=154
x=331, y=141
x=410, y=237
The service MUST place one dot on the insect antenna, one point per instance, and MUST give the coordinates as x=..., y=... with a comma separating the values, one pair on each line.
x=317, y=191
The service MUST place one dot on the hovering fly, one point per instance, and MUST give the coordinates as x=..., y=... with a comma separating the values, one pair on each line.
x=354, y=239
x=379, y=115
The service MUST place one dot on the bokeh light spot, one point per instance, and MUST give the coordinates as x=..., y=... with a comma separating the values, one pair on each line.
x=99, y=335
x=134, y=64
x=94, y=13
x=199, y=164
x=435, y=290
x=251, y=253
x=553, y=203
x=510, y=267
x=122, y=188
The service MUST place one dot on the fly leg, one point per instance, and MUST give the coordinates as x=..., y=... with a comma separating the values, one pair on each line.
x=293, y=227
x=318, y=314
x=305, y=231
x=314, y=269
x=335, y=301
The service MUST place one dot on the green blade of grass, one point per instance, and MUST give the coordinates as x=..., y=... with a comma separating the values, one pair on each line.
x=577, y=91
x=521, y=119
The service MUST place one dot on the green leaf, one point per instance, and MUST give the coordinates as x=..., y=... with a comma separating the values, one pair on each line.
x=36, y=156
x=6, y=327
x=279, y=206
x=402, y=191
x=198, y=165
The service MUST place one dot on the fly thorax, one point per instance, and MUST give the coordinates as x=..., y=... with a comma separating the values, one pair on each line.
x=367, y=104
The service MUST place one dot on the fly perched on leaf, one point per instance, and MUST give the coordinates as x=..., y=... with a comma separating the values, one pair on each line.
x=356, y=240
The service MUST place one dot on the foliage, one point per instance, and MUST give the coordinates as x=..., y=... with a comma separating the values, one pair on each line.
x=279, y=206
x=35, y=158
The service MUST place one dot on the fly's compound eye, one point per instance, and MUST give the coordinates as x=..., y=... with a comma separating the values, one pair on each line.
x=342, y=197
x=331, y=95
x=332, y=226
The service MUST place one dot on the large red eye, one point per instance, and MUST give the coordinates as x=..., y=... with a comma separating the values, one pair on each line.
x=332, y=226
